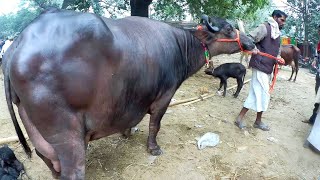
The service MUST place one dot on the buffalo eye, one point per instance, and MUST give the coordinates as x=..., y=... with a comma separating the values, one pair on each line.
x=229, y=29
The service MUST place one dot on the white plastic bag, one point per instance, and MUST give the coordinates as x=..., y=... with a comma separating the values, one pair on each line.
x=209, y=139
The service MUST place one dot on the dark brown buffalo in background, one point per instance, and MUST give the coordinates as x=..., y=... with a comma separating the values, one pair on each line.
x=291, y=55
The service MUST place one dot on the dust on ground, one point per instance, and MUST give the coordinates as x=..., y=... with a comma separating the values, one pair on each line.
x=239, y=155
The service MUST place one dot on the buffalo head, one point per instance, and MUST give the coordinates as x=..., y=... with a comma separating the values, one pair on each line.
x=209, y=71
x=214, y=30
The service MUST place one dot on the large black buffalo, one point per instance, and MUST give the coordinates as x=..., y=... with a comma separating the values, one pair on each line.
x=77, y=77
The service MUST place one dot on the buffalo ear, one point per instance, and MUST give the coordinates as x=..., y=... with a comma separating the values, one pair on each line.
x=204, y=36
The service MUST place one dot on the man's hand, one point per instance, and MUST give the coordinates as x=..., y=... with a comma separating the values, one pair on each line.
x=255, y=51
x=281, y=60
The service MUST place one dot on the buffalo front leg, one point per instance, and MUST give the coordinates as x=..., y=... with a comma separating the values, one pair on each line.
x=221, y=84
x=157, y=110
x=224, y=87
x=48, y=162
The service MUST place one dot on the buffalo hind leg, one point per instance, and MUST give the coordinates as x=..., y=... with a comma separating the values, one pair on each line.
x=72, y=158
x=292, y=71
x=55, y=174
x=69, y=143
x=43, y=149
x=157, y=110
x=297, y=69
x=65, y=134
x=240, y=84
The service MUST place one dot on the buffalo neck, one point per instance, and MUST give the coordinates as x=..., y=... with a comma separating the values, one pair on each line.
x=192, y=52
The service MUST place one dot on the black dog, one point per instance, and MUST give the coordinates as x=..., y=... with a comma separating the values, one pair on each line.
x=224, y=71
x=10, y=167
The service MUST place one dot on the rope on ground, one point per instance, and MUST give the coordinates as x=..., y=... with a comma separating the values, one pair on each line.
x=11, y=139
x=202, y=97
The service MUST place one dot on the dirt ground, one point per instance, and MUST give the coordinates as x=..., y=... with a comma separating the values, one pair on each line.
x=251, y=154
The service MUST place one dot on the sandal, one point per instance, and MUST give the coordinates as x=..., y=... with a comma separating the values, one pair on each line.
x=261, y=126
x=240, y=124
x=306, y=121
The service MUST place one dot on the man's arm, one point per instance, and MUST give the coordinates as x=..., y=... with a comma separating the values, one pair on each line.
x=258, y=34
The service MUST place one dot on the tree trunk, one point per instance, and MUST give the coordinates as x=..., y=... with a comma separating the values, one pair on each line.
x=67, y=3
x=140, y=7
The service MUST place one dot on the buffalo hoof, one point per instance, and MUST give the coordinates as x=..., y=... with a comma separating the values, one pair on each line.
x=235, y=95
x=56, y=175
x=129, y=132
x=126, y=133
x=155, y=152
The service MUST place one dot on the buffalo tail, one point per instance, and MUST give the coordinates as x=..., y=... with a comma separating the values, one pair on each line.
x=21, y=137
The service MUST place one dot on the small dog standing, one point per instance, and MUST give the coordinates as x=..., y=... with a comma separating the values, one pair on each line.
x=224, y=71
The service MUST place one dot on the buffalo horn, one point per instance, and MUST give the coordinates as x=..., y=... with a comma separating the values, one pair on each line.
x=205, y=20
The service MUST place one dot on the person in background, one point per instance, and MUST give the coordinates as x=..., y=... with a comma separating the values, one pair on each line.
x=5, y=47
x=313, y=140
x=1, y=43
x=267, y=39
x=316, y=64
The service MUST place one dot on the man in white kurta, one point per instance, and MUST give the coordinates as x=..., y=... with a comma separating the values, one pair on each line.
x=6, y=45
x=267, y=39
x=314, y=137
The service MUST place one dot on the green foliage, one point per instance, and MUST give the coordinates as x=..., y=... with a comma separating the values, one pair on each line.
x=39, y=5
x=115, y=8
x=230, y=9
x=170, y=10
x=296, y=20
x=15, y=23
x=258, y=17
x=85, y=5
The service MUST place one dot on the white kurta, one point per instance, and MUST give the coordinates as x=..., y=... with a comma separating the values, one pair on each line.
x=259, y=97
x=318, y=97
x=5, y=47
x=314, y=137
